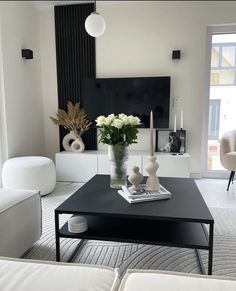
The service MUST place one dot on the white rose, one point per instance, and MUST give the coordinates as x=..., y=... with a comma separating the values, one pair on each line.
x=118, y=123
x=109, y=119
x=124, y=118
x=111, y=116
x=122, y=115
x=137, y=120
x=101, y=120
x=133, y=120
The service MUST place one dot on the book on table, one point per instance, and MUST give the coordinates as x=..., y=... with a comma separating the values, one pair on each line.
x=142, y=195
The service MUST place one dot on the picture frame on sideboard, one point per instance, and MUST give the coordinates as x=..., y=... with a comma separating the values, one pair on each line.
x=164, y=141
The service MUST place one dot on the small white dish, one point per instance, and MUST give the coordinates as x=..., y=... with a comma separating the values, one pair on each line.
x=77, y=220
x=77, y=230
x=77, y=224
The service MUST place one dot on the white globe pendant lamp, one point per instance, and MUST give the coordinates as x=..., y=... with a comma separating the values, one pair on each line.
x=95, y=24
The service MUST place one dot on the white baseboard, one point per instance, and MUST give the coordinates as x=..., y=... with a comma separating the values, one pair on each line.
x=197, y=176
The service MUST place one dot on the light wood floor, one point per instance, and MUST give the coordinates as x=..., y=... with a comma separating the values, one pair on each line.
x=215, y=194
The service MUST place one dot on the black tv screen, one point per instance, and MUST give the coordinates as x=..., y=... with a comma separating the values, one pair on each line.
x=136, y=96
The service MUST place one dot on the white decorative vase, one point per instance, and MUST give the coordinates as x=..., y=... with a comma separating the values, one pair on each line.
x=152, y=183
x=135, y=179
x=76, y=146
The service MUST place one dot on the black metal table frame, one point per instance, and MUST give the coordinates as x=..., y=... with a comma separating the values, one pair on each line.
x=82, y=237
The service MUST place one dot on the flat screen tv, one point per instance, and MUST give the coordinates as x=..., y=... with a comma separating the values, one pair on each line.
x=136, y=96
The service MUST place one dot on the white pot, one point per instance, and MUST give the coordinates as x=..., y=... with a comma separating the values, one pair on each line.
x=76, y=146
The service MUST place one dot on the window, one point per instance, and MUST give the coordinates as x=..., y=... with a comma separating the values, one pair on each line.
x=223, y=64
x=214, y=119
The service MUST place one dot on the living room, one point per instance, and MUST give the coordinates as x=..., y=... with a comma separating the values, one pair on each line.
x=139, y=41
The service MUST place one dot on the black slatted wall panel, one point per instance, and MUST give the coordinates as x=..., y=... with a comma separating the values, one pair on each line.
x=75, y=51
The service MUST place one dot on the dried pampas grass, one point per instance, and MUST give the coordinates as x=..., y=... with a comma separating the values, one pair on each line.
x=75, y=119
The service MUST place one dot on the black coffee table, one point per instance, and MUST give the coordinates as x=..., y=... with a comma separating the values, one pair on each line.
x=179, y=222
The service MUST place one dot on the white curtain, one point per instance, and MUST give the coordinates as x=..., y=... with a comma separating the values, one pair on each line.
x=3, y=132
x=3, y=136
x=0, y=167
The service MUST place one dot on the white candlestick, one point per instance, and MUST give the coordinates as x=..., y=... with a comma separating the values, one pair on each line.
x=151, y=134
x=175, y=123
x=182, y=120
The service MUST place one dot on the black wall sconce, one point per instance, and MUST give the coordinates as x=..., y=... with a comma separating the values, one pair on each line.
x=176, y=55
x=27, y=54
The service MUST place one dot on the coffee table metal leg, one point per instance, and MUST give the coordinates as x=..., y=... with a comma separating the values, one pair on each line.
x=58, y=255
x=76, y=250
x=209, y=236
x=202, y=268
x=210, y=256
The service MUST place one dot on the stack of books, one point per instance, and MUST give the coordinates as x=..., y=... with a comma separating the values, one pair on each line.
x=143, y=196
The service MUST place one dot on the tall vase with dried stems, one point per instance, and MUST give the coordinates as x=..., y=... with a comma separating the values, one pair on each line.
x=76, y=146
x=76, y=121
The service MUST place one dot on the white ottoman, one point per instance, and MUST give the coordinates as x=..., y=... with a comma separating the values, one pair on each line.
x=20, y=221
x=33, y=173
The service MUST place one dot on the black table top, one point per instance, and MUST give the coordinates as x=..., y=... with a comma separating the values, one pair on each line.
x=97, y=198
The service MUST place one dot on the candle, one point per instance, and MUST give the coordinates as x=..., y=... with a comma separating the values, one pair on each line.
x=175, y=123
x=151, y=134
x=182, y=120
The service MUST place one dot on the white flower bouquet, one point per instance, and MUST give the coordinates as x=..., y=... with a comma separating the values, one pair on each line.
x=118, y=129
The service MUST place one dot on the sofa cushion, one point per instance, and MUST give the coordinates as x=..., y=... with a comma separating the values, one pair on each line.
x=20, y=221
x=22, y=275
x=147, y=280
x=10, y=197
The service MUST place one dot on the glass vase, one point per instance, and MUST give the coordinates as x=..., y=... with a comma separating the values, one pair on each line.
x=118, y=156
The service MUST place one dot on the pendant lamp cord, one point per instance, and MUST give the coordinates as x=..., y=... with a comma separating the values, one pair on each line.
x=95, y=6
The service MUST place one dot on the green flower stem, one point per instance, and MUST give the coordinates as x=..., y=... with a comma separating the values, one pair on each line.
x=118, y=166
x=119, y=169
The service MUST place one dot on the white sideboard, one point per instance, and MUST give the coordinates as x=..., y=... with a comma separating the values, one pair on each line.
x=80, y=167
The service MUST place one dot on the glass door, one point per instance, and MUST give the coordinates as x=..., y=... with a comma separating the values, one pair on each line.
x=222, y=98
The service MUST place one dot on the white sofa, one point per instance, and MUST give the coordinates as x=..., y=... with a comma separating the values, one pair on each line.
x=22, y=275
x=20, y=221
x=147, y=280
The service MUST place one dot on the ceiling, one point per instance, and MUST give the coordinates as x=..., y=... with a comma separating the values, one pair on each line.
x=48, y=4
x=41, y=5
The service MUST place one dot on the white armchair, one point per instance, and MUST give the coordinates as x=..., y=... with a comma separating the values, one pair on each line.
x=228, y=153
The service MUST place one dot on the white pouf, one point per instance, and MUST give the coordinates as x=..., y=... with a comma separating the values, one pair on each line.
x=33, y=173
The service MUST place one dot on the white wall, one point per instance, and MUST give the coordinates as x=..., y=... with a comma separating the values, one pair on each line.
x=3, y=137
x=139, y=40
x=22, y=79
x=49, y=80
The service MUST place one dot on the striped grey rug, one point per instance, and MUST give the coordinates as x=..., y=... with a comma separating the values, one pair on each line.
x=125, y=256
